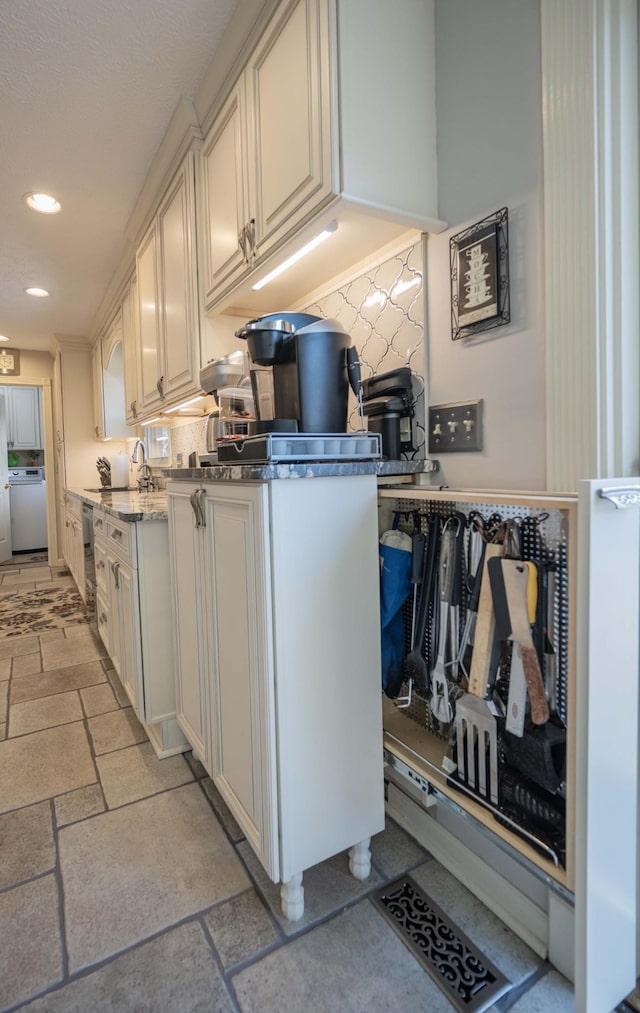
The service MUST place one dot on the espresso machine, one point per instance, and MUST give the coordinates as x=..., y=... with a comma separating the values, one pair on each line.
x=227, y=379
x=298, y=373
x=301, y=367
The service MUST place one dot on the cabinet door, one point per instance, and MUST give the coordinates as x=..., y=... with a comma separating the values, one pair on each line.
x=287, y=81
x=191, y=622
x=98, y=402
x=243, y=745
x=130, y=352
x=178, y=286
x=24, y=417
x=129, y=635
x=148, y=320
x=113, y=604
x=224, y=196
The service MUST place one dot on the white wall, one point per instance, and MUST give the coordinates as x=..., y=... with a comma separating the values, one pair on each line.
x=489, y=135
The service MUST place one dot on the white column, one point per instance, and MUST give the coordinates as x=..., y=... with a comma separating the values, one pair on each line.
x=590, y=136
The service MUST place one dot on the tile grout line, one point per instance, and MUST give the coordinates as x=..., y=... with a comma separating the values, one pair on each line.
x=218, y=962
x=60, y=886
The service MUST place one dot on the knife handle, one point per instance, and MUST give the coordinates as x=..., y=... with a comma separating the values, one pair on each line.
x=533, y=677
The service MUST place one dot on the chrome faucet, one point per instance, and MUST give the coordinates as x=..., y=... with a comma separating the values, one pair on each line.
x=145, y=482
x=135, y=457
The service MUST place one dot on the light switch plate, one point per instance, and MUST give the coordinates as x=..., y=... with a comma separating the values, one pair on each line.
x=455, y=427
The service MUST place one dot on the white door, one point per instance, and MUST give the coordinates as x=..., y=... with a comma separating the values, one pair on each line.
x=5, y=503
x=607, y=743
x=179, y=292
x=243, y=734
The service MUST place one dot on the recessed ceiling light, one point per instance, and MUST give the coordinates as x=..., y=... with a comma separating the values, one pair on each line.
x=42, y=202
x=3, y=338
x=39, y=292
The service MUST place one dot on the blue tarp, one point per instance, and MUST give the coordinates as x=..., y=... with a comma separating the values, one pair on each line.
x=395, y=587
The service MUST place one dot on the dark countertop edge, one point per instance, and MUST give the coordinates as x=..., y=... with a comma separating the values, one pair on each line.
x=115, y=504
x=292, y=470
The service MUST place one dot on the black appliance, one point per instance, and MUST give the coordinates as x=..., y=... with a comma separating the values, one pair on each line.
x=388, y=403
x=300, y=376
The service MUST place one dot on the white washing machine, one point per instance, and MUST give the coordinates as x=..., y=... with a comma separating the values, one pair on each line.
x=28, y=500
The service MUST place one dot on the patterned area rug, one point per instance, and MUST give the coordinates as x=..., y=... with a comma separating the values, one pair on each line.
x=35, y=611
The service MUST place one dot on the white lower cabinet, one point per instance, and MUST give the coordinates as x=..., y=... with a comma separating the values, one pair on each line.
x=74, y=543
x=275, y=596
x=134, y=620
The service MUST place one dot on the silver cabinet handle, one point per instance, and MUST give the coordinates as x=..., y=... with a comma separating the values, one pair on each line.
x=160, y=387
x=251, y=237
x=115, y=570
x=102, y=618
x=100, y=565
x=200, y=498
x=192, y=500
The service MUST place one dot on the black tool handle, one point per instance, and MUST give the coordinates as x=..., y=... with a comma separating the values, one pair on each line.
x=353, y=370
x=417, y=557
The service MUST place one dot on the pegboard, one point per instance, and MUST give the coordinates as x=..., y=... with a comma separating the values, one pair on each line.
x=544, y=540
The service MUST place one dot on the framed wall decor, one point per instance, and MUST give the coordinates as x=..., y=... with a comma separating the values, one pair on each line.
x=9, y=362
x=479, y=261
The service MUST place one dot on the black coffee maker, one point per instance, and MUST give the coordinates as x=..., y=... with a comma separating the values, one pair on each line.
x=299, y=373
x=389, y=403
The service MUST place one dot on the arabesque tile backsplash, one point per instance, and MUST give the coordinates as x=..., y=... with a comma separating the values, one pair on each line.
x=383, y=311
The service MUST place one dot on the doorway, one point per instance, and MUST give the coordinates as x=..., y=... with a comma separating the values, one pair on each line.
x=20, y=396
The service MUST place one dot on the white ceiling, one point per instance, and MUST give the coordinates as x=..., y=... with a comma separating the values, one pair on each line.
x=87, y=89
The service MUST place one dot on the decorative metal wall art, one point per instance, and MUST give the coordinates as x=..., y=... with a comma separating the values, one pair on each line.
x=479, y=260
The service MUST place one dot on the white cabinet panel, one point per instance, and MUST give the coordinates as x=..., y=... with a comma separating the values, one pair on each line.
x=290, y=646
x=224, y=196
x=132, y=575
x=24, y=418
x=130, y=345
x=291, y=164
x=243, y=749
x=148, y=319
x=168, y=316
x=190, y=619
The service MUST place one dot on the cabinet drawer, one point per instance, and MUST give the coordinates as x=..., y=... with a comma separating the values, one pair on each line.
x=121, y=538
x=102, y=616
x=100, y=557
x=99, y=523
x=74, y=508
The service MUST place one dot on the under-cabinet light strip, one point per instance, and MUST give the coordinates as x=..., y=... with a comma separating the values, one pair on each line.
x=295, y=257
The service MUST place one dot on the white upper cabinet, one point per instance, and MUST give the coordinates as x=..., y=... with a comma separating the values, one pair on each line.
x=24, y=418
x=225, y=197
x=130, y=354
x=108, y=383
x=167, y=308
x=332, y=121
x=287, y=82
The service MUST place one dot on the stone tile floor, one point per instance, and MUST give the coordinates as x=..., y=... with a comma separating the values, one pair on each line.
x=126, y=884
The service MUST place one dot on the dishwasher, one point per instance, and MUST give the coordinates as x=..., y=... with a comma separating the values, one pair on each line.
x=28, y=500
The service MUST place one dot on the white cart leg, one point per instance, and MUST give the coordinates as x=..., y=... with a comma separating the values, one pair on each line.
x=292, y=898
x=360, y=859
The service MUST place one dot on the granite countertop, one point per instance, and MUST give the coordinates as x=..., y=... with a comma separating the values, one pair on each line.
x=309, y=469
x=127, y=505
